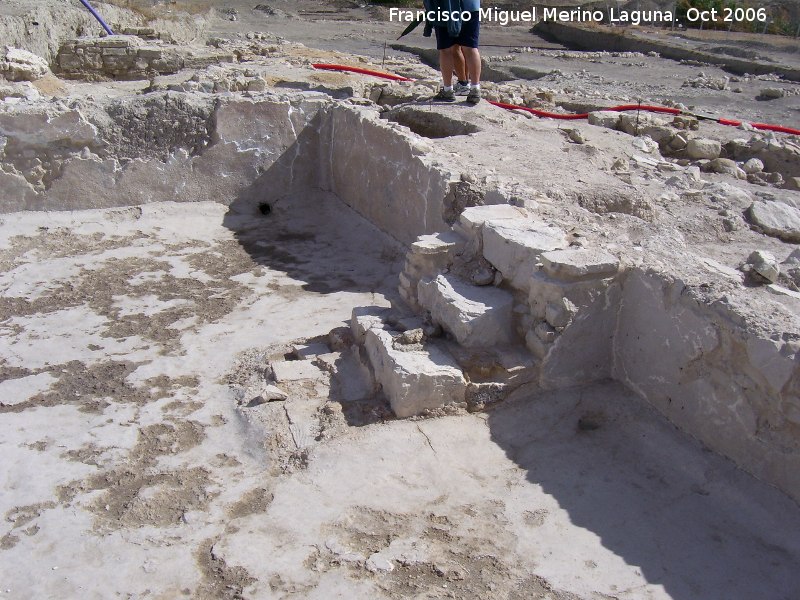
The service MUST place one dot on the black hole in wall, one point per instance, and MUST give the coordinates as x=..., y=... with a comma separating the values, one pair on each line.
x=34, y=22
x=264, y=208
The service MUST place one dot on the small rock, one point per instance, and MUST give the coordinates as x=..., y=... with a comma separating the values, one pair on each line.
x=410, y=336
x=772, y=93
x=698, y=149
x=765, y=265
x=645, y=144
x=575, y=136
x=482, y=276
x=379, y=564
x=793, y=183
x=726, y=166
x=753, y=165
x=559, y=314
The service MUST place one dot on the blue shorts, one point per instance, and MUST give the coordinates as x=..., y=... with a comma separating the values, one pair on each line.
x=470, y=31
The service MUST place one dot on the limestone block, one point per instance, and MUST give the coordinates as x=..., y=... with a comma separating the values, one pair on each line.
x=560, y=312
x=579, y=264
x=118, y=41
x=604, y=118
x=85, y=183
x=699, y=148
x=437, y=243
x=414, y=380
x=776, y=219
x=475, y=316
x=474, y=217
x=515, y=249
x=150, y=52
x=15, y=192
x=296, y=370
x=364, y=318
x=21, y=65
x=765, y=264
x=753, y=166
x=726, y=166
x=41, y=127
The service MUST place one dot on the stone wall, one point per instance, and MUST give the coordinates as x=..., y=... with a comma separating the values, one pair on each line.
x=709, y=366
x=163, y=146
x=398, y=188
x=130, y=57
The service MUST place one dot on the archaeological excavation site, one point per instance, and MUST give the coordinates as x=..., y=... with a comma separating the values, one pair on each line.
x=277, y=324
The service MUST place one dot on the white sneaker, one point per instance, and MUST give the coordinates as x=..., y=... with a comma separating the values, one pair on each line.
x=461, y=89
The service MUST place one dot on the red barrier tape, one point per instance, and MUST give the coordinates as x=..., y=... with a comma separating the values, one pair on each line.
x=646, y=108
x=361, y=71
x=567, y=116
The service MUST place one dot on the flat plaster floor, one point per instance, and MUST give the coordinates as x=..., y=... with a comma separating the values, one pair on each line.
x=130, y=471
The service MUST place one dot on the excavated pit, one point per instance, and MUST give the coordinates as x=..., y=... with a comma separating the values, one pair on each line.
x=356, y=275
x=432, y=125
x=493, y=277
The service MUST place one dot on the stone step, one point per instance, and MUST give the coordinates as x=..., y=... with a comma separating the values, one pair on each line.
x=475, y=316
x=414, y=378
x=515, y=248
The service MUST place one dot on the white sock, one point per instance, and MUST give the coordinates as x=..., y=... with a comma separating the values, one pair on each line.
x=475, y=86
x=448, y=88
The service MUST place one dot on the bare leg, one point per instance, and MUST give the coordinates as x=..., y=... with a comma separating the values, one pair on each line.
x=447, y=64
x=461, y=65
x=472, y=57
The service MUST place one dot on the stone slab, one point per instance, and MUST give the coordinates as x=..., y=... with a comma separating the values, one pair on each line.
x=579, y=264
x=515, y=248
x=475, y=316
x=412, y=380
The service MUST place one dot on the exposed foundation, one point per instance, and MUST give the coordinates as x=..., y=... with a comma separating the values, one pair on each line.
x=521, y=309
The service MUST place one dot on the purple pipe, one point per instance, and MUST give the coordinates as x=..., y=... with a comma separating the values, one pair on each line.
x=98, y=17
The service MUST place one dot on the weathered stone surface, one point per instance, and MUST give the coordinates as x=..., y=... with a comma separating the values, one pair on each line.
x=475, y=316
x=699, y=148
x=579, y=264
x=296, y=370
x=515, y=248
x=437, y=243
x=21, y=65
x=723, y=390
x=765, y=265
x=414, y=381
x=772, y=93
x=475, y=216
x=413, y=204
x=584, y=314
x=604, y=118
x=365, y=318
x=776, y=219
x=753, y=166
x=726, y=166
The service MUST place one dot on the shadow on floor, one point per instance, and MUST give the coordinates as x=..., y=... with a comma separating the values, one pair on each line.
x=689, y=519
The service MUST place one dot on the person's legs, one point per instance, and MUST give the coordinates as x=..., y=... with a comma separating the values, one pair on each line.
x=461, y=65
x=447, y=63
x=472, y=59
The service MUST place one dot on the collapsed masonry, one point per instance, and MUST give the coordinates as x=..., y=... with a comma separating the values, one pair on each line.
x=498, y=301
